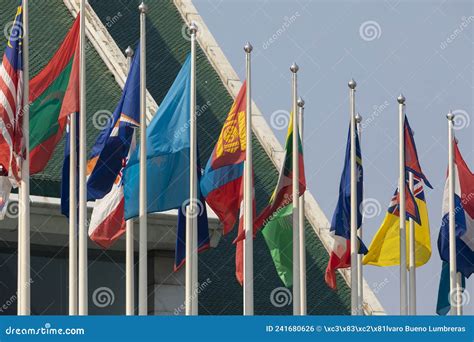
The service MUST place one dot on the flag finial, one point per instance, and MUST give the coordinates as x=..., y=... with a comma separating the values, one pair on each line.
x=401, y=99
x=193, y=28
x=450, y=116
x=300, y=102
x=294, y=68
x=248, y=47
x=352, y=84
x=129, y=52
x=358, y=118
x=143, y=8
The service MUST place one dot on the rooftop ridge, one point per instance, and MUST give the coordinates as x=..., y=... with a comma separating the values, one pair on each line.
x=267, y=139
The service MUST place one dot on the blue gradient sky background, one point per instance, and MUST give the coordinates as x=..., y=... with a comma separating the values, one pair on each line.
x=409, y=51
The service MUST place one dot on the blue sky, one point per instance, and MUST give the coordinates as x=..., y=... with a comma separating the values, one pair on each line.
x=423, y=49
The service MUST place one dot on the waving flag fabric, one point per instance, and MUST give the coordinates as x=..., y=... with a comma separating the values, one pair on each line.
x=54, y=94
x=443, y=304
x=11, y=102
x=385, y=247
x=66, y=167
x=276, y=219
x=168, y=147
x=222, y=184
x=464, y=217
x=113, y=143
x=340, y=256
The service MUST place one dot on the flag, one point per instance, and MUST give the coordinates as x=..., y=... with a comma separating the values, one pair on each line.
x=464, y=217
x=108, y=158
x=276, y=219
x=66, y=167
x=385, y=247
x=203, y=230
x=53, y=96
x=444, y=291
x=11, y=105
x=113, y=143
x=168, y=148
x=340, y=256
x=222, y=184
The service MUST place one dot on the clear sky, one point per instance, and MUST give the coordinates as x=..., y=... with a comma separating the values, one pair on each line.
x=423, y=49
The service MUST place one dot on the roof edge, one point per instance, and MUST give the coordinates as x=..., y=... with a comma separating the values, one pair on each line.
x=267, y=139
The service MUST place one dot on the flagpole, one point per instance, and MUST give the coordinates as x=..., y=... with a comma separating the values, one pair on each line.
x=354, y=285
x=248, y=193
x=143, y=245
x=401, y=189
x=24, y=218
x=72, y=215
x=83, y=281
x=412, y=257
x=453, y=283
x=193, y=173
x=296, y=234
x=360, y=277
x=129, y=252
x=301, y=218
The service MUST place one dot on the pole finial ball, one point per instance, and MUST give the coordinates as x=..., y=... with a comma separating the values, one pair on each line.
x=450, y=116
x=143, y=8
x=401, y=99
x=352, y=84
x=300, y=102
x=193, y=28
x=294, y=68
x=248, y=47
x=358, y=118
x=129, y=52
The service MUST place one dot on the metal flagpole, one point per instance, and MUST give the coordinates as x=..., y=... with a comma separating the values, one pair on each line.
x=354, y=285
x=24, y=218
x=453, y=284
x=360, y=277
x=296, y=234
x=401, y=189
x=459, y=293
x=83, y=281
x=412, y=257
x=129, y=252
x=192, y=210
x=72, y=215
x=143, y=245
x=248, y=193
x=301, y=217
x=193, y=173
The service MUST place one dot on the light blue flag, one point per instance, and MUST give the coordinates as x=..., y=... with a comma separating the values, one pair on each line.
x=167, y=153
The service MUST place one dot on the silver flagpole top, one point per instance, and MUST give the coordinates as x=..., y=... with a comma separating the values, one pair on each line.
x=450, y=116
x=401, y=99
x=358, y=118
x=352, y=84
x=300, y=102
x=248, y=47
x=193, y=28
x=143, y=8
x=129, y=52
x=294, y=68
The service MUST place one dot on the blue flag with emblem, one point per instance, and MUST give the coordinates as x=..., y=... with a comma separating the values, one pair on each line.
x=112, y=146
x=168, y=148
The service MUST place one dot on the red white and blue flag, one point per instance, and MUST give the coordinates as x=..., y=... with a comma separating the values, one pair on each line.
x=11, y=100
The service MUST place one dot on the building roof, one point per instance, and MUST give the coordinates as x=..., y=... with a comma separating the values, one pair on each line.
x=167, y=48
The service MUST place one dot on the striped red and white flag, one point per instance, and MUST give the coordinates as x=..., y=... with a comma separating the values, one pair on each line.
x=11, y=100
